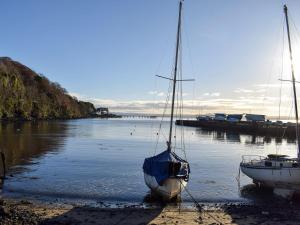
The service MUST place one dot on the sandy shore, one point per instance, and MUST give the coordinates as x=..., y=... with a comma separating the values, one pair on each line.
x=24, y=212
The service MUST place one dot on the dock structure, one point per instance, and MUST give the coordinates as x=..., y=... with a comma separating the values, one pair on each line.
x=283, y=130
x=140, y=116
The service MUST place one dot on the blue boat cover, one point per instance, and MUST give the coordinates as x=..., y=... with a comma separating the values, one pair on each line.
x=159, y=167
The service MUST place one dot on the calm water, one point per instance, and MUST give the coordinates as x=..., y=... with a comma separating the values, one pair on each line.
x=94, y=160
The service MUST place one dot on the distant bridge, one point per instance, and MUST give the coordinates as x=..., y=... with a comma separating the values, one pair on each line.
x=139, y=116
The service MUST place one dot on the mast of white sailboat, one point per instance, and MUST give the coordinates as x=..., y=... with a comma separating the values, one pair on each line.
x=175, y=75
x=293, y=79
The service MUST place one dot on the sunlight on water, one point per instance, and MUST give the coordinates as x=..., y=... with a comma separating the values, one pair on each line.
x=97, y=160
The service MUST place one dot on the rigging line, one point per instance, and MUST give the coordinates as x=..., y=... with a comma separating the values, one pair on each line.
x=185, y=32
x=149, y=135
x=160, y=124
x=179, y=93
x=199, y=207
x=293, y=22
x=188, y=44
x=177, y=100
x=179, y=85
x=282, y=64
x=168, y=40
x=165, y=107
x=284, y=130
x=182, y=143
x=288, y=109
x=176, y=116
x=179, y=65
x=273, y=60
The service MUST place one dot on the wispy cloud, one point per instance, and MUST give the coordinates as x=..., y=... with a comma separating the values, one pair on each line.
x=213, y=94
x=159, y=94
x=252, y=100
x=243, y=90
x=273, y=85
x=255, y=90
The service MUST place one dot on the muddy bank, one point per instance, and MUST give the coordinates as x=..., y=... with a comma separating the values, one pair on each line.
x=25, y=212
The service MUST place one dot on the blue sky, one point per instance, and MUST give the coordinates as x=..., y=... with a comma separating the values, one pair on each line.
x=109, y=51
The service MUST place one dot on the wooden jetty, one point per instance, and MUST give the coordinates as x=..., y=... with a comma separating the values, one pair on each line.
x=272, y=129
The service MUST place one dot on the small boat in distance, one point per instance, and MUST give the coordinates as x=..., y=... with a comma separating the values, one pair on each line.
x=166, y=174
x=279, y=172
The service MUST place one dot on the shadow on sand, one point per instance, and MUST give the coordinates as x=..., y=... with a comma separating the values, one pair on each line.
x=88, y=215
x=129, y=214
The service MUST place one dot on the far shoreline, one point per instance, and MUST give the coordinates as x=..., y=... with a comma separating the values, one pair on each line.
x=18, y=119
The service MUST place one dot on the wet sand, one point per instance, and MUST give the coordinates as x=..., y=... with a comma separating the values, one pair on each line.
x=25, y=212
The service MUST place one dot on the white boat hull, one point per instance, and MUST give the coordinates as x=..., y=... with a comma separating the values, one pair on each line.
x=170, y=188
x=287, y=178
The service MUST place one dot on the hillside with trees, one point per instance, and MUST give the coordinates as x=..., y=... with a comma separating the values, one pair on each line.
x=24, y=94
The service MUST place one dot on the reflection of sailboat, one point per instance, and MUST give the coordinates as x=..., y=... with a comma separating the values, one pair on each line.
x=166, y=173
x=277, y=171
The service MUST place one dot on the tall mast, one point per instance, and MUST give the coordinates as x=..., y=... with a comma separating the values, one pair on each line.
x=175, y=74
x=293, y=79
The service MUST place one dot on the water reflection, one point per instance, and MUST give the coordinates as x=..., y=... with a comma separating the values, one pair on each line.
x=257, y=194
x=98, y=160
x=278, y=140
x=255, y=140
x=23, y=141
x=234, y=137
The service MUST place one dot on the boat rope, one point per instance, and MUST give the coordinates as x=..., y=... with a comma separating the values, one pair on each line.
x=296, y=28
x=270, y=72
x=238, y=179
x=199, y=207
x=182, y=142
x=160, y=131
x=281, y=72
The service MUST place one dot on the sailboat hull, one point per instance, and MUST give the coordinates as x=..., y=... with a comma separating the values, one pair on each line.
x=288, y=178
x=170, y=188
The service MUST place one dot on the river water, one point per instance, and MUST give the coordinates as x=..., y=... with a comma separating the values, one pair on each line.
x=96, y=160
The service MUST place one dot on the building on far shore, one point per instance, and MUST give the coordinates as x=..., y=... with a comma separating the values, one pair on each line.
x=255, y=118
x=102, y=111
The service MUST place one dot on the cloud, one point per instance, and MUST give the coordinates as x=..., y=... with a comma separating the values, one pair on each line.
x=159, y=94
x=242, y=90
x=208, y=103
x=273, y=85
x=257, y=89
x=213, y=94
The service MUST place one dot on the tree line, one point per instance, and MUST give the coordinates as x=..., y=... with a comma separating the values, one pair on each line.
x=24, y=94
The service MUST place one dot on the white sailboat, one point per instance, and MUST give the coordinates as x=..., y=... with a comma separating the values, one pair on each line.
x=279, y=172
x=166, y=174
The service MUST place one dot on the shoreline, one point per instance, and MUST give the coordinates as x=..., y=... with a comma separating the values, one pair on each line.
x=57, y=119
x=30, y=212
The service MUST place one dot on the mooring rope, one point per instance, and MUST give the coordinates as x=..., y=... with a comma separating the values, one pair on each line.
x=198, y=206
x=238, y=178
